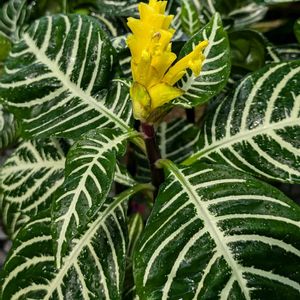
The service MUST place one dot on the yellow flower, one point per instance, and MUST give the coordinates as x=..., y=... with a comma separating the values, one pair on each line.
x=154, y=76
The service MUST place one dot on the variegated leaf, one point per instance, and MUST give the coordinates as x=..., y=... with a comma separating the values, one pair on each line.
x=215, y=68
x=94, y=267
x=284, y=52
x=55, y=77
x=177, y=25
x=248, y=14
x=216, y=233
x=89, y=175
x=29, y=178
x=123, y=8
x=14, y=15
x=176, y=141
x=135, y=228
x=257, y=129
x=9, y=128
x=122, y=176
x=241, y=13
x=190, y=20
x=112, y=25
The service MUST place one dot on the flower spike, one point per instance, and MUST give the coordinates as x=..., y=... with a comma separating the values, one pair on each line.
x=154, y=74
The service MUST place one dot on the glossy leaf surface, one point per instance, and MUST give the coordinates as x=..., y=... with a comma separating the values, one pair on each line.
x=215, y=68
x=257, y=128
x=56, y=78
x=216, y=233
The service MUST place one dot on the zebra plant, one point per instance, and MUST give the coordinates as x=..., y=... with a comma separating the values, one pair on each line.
x=144, y=170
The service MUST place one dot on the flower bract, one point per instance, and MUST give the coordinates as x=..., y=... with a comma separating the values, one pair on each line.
x=153, y=69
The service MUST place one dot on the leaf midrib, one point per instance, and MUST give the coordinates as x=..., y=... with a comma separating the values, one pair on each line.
x=93, y=228
x=75, y=90
x=240, y=137
x=213, y=230
x=109, y=145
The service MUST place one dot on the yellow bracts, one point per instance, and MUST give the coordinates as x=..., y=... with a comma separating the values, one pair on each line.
x=154, y=76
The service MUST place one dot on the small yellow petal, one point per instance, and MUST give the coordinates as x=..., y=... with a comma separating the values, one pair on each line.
x=152, y=58
x=163, y=93
x=141, y=101
x=193, y=61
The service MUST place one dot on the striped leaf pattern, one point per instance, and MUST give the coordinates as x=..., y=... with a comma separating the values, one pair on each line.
x=122, y=176
x=9, y=128
x=284, y=52
x=94, y=268
x=190, y=20
x=215, y=69
x=248, y=14
x=240, y=13
x=14, y=15
x=257, y=129
x=177, y=25
x=216, y=233
x=29, y=178
x=135, y=229
x=288, y=52
x=89, y=173
x=55, y=77
x=176, y=141
x=108, y=24
x=123, y=8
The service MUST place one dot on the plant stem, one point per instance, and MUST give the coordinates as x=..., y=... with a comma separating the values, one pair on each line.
x=153, y=154
x=64, y=6
x=190, y=115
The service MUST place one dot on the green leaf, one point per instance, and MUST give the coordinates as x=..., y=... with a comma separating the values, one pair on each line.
x=286, y=52
x=257, y=128
x=111, y=25
x=5, y=46
x=9, y=128
x=190, y=21
x=89, y=174
x=239, y=13
x=135, y=229
x=94, y=268
x=216, y=233
x=127, y=8
x=14, y=16
x=297, y=30
x=176, y=141
x=216, y=67
x=248, y=49
x=123, y=177
x=177, y=25
x=55, y=77
x=29, y=178
x=247, y=14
